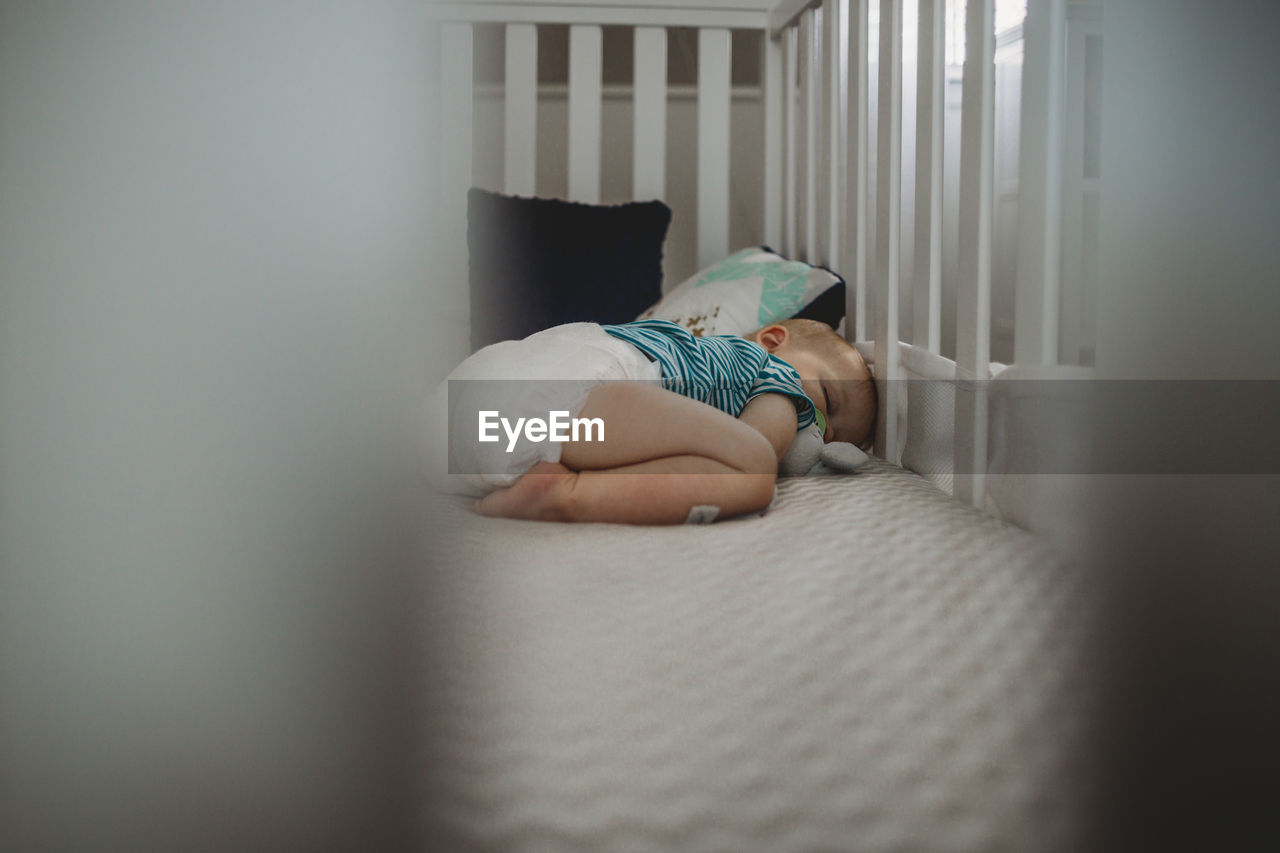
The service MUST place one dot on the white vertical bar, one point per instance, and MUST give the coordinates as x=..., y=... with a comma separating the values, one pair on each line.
x=854, y=265
x=821, y=162
x=931, y=94
x=1040, y=183
x=584, y=113
x=649, y=176
x=790, y=122
x=774, y=94
x=713, y=144
x=456, y=106
x=973, y=292
x=832, y=114
x=1072, y=285
x=812, y=87
x=455, y=170
x=521, y=109
x=888, y=222
x=804, y=61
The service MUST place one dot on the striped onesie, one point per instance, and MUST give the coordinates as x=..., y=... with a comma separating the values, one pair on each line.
x=724, y=371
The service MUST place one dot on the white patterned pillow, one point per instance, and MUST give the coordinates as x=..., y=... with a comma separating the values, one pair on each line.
x=749, y=289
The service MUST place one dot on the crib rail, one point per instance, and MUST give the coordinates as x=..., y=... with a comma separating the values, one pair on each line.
x=733, y=14
x=973, y=293
x=827, y=45
x=714, y=21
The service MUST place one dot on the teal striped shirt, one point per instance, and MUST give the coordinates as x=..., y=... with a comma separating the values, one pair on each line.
x=724, y=371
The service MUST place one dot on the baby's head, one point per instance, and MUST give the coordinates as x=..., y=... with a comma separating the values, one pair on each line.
x=832, y=372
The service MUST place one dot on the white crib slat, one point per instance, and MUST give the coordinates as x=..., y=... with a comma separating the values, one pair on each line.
x=888, y=222
x=1072, y=334
x=973, y=292
x=455, y=122
x=854, y=265
x=585, y=88
x=833, y=120
x=1040, y=183
x=456, y=106
x=804, y=58
x=713, y=144
x=521, y=109
x=771, y=62
x=930, y=79
x=649, y=179
x=821, y=162
x=811, y=87
x=790, y=123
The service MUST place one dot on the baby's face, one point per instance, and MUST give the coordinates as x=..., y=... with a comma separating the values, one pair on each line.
x=836, y=383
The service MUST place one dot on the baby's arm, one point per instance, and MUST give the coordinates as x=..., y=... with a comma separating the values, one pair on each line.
x=774, y=417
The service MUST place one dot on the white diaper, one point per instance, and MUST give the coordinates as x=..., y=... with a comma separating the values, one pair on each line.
x=551, y=371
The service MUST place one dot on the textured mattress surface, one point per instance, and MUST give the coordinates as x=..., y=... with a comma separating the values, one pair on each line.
x=870, y=665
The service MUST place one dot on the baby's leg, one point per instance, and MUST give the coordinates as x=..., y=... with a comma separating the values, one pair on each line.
x=662, y=454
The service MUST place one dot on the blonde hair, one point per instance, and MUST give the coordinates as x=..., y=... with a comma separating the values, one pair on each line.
x=816, y=335
x=819, y=337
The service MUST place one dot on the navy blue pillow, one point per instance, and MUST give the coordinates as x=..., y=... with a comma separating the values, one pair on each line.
x=537, y=263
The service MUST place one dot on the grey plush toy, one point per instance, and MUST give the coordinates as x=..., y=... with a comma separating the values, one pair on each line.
x=807, y=451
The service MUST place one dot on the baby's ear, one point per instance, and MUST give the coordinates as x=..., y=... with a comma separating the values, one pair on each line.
x=771, y=337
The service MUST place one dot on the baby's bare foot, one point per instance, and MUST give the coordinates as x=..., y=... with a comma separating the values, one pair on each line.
x=541, y=494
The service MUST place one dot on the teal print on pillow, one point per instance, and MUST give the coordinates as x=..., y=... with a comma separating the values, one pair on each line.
x=783, y=290
x=784, y=281
x=733, y=267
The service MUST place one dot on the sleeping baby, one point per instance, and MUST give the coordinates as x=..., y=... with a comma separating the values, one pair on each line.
x=642, y=422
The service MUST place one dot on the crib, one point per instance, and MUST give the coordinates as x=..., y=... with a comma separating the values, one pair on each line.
x=893, y=660
x=822, y=191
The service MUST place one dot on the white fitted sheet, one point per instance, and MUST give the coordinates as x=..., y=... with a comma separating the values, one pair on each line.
x=870, y=665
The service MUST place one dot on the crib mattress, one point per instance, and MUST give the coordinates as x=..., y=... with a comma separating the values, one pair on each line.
x=870, y=665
